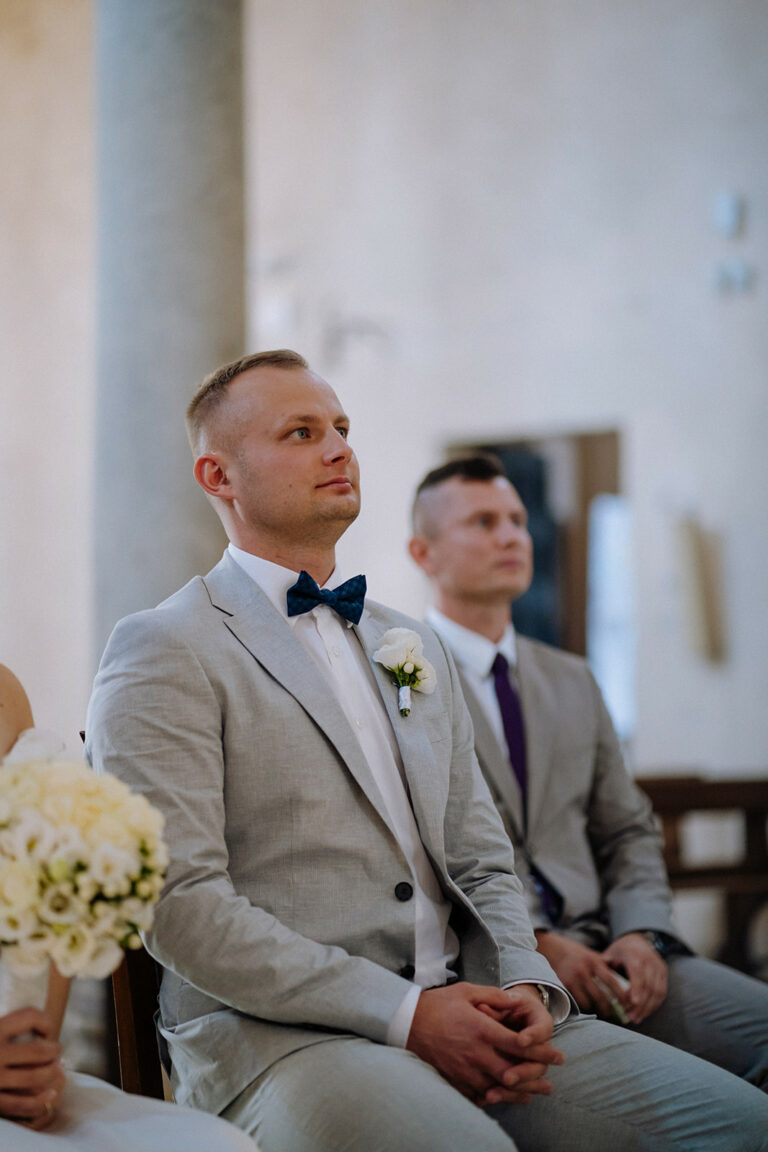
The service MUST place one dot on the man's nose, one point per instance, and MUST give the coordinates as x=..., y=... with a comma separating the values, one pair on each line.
x=337, y=447
x=510, y=534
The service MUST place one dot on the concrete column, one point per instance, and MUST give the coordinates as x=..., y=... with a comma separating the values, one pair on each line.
x=170, y=271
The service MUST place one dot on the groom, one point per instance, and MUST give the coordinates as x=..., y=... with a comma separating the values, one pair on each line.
x=348, y=959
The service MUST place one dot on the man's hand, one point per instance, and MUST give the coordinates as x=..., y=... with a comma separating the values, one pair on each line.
x=31, y=1076
x=646, y=971
x=587, y=975
x=492, y=1045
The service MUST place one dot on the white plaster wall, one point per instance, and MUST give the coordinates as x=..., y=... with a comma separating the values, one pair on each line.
x=46, y=354
x=481, y=220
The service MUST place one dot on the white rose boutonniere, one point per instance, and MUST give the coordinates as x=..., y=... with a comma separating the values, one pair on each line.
x=401, y=653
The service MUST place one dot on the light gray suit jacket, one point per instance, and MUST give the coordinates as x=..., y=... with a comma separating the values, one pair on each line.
x=589, y=828
x=279, y=926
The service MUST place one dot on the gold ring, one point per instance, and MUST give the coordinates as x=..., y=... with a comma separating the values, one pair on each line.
x=49, y=1108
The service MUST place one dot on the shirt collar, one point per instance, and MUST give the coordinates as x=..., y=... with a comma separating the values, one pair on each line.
x=472, y=651
x=275, y=580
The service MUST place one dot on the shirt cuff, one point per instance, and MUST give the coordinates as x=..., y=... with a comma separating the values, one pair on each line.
x=400, y=1024
x=559, y=1003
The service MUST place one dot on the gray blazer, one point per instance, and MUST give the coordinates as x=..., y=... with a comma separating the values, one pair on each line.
x=279, y=926
x=590, y=829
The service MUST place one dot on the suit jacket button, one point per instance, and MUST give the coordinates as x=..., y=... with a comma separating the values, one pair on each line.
x=403, y=891
x=407, y=972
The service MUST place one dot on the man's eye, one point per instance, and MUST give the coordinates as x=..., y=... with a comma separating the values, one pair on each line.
x=343, y=432
x=300, y=433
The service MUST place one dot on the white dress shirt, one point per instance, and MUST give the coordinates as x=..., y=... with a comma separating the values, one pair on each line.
x=334, y=646
x=475, y=654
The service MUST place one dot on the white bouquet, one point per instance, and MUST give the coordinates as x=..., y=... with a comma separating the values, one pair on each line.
x=82, y=861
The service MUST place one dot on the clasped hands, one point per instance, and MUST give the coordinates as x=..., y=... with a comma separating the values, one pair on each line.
x=590, y=976
x=31, y=1075
x=492, y=1044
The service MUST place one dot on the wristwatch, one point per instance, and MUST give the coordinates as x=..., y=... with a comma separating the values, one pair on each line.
x=543, y=991
x=663, y=944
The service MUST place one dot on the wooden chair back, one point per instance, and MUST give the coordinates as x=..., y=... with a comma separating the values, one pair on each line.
x=135, y=985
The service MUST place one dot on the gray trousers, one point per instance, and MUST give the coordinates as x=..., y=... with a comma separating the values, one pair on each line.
x=716, y=1013
x=616, y=1090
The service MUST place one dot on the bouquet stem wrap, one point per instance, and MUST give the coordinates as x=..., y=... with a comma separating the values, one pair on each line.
x=56, y=998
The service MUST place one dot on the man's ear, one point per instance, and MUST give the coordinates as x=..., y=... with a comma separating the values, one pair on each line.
x=419, y=551
x=212, y=477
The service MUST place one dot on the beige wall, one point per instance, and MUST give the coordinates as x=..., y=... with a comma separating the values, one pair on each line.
x=485, y=220
x=478, y=221
x=46, y=354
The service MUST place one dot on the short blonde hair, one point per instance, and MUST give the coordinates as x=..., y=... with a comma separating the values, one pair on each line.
x=213, y=389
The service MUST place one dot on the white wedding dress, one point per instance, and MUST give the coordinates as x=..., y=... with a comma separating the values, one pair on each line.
x=94, y=1116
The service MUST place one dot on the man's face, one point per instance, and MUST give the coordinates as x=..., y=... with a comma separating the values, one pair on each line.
x=478, y=547
x=292, y=474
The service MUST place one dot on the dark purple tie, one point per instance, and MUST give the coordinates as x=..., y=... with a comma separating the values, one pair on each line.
x=512, y=719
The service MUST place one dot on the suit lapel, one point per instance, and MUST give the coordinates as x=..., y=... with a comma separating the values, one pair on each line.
x=492, y=758
x=258, y=626
x=538, y=733
x=427, y=787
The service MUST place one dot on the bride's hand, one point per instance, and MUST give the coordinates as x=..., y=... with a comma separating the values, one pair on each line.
x=31, y=1075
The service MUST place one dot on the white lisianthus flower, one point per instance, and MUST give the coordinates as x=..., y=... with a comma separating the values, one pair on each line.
x=86, y=886
x=60, y=905
x=29, y=957
x=73, y=950
x=30, y=836
x=17, y=925
x=67, y=850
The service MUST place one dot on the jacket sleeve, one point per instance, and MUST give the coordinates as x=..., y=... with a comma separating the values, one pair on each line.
x=625, y=841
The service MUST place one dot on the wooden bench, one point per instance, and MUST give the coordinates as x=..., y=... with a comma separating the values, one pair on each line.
x=744, y=883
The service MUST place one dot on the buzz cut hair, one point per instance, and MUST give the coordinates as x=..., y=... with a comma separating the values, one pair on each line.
x=475, y=467
x=209, y=396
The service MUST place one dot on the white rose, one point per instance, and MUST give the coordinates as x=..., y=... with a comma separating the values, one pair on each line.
x=159, y=856
x=105, y=958
x=110, y=829
x=18, y=885
x=399, y=646
x=112, y=868
x=427, y=677
x=136, y=912
x=140, y=816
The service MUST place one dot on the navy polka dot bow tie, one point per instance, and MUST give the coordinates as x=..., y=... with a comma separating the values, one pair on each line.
x=347, y=599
